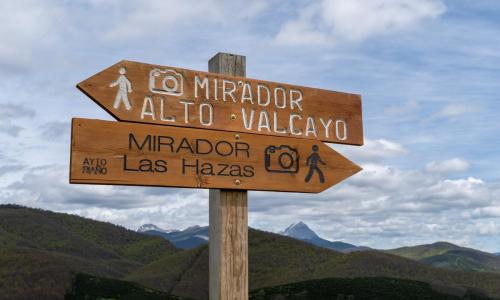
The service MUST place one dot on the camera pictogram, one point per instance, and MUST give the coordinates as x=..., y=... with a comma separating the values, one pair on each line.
x=281, y=159
x=167, y=82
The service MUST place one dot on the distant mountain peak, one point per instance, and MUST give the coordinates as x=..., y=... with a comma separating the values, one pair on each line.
x=192, y=228
x=300, y=230
x=153, y=227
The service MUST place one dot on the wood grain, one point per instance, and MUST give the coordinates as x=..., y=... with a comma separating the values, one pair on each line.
x=228, y=217
x=228, y=244
x=324, y=115
x=152, y=155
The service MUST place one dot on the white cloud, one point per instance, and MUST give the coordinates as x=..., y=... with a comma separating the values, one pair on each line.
x=48, y=187
x=454, y=110
x=330, y=21
x=12, y=110
x=360, y=19
x=372, y=150
x=26, y=27
x=10, y=114
x=485, y=212
x=136, y=19
x=387, y=207
x=56, y=130
x=32, y=31
x=10, y=168
x=381, y=206
x=448, y=166
x=303, y=31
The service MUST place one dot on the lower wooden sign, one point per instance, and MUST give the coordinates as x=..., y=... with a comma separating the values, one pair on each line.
x=120, y=153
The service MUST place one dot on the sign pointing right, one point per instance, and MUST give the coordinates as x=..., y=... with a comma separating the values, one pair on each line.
x=122, y=153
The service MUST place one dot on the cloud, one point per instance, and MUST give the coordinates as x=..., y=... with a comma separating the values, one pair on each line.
x=10, y=129
x=132, y=20
x=10, y=168
x=38, y=34
x=332, y=21
x=303, y=31
x=484, y=212
x=385, y=207
x=9, y=114
x=395, y=200
x=372, y=151
x=55, y=130
x=382, y=206
x=453, y=110
x=26, y=27
x=453, y=165
x=48, y=187
x=11, y=110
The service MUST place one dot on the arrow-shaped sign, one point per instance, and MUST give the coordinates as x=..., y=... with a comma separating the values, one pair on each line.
x=138, y=92
x=122, y=153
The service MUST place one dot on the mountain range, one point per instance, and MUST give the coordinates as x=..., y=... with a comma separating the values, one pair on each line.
x=440, y=254
x=152, y=227
x=42, y=252
x=195, y=236
x=302, y=232
x=188, y=238
x=447, y=255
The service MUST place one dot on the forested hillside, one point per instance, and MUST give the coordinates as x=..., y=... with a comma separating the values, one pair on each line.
x=41, y=252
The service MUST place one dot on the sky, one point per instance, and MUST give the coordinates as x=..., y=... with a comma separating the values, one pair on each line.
x=428, y=72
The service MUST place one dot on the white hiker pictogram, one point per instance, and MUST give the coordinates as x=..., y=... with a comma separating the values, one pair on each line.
x=124, y=87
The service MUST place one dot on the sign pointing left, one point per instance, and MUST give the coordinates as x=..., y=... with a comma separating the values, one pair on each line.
x=143, y=93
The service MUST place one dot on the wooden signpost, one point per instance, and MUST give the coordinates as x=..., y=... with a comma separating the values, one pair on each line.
x=228, y=217
x=106, y=152
x=138, y=92
x=264, y=136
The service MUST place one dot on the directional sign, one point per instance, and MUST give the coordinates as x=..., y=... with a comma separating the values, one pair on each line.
x=124, y=153
x=138, y=92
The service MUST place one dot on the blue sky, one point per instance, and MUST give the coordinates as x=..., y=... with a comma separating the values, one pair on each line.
x=428, y=72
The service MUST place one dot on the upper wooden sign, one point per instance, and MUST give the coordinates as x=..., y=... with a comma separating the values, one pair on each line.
x=104, y=152
x=138, y=92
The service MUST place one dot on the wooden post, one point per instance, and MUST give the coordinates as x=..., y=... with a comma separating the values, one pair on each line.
x=228, y=218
